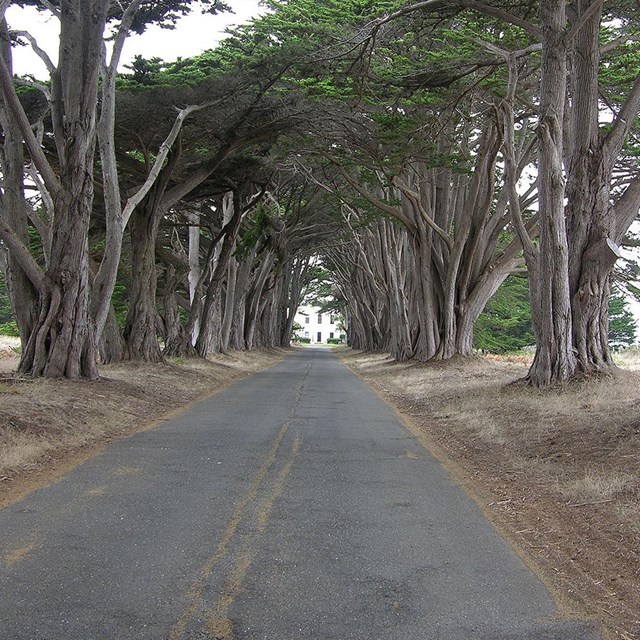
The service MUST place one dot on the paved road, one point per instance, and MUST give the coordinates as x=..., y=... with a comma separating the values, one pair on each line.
x=292, y=506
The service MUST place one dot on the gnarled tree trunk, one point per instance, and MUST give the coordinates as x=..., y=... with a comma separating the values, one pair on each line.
x=576, y=258
x=594, y=229
x=554, y=360
x=62, y=342
x=141, y=325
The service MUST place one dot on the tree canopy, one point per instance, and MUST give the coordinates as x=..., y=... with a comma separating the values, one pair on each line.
x=413, y=156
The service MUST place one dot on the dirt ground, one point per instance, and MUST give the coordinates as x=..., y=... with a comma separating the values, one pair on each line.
x=557, y=472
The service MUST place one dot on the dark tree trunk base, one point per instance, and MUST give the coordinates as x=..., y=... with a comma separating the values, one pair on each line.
x=62, y=343
x=180, y=348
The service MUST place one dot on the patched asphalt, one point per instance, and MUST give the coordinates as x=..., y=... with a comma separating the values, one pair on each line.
x=293, y=505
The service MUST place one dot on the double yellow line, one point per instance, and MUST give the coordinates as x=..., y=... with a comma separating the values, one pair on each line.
x=217, y=623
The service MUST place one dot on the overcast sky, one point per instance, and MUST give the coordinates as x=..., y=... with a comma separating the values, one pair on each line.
x=193, y=35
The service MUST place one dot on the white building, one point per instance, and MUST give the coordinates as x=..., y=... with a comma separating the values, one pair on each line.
x=317, y=326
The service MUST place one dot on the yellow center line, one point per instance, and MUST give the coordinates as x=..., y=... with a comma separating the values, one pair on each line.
x=194, y=595
x=196, y=591
x=16, y=555
x=265, y=510
x=218, y=624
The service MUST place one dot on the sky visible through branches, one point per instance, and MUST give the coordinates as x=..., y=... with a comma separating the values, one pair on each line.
x=193, y=35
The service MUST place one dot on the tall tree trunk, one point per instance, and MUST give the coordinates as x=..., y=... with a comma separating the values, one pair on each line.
x=141, y=325
x=243, y=283
x=255, y=299
x=554, y=360
x=591, y=225
x=194, y=266
x=177, y=341
x=177, y=338
x=22, y=294
x=393, y=244
x=281, y=308
x=111, y=344
x=143, y=320
x=426, y=303
x=594, y=258
x=210, y=335
x=291, y=298
x=229, y=305
x=62, y=344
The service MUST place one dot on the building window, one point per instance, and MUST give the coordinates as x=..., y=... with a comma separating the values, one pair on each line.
x=319, y=336
x=306, y=334
x=331, y=321
x=319, y=318
x=331, y=335
x=306, y=320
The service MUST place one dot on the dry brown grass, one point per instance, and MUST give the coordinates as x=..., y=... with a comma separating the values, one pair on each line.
x=558, y=471
x=628, y=358
x=598, y=486
x=9, y=349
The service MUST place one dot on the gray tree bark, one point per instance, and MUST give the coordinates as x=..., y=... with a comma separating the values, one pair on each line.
x=554, y=360
x=22, y=293
x=62, y=343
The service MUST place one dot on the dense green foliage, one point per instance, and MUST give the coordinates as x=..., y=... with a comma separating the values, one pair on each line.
x=6, y=315
x=622, y=325
x=9, y=329
x=505, y=324
x=320, y=291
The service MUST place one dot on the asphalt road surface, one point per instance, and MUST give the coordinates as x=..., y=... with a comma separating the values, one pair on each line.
x=294, y=505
